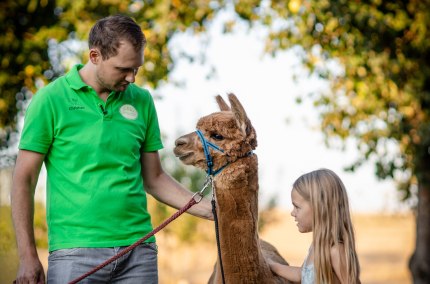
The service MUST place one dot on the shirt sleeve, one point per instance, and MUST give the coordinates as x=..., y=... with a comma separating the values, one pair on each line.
x=152, y=138
x=37, y=134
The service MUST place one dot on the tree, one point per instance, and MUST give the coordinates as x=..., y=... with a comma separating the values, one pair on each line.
x=24, y=56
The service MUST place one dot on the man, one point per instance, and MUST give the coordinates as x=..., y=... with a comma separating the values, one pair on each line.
x=98, y=135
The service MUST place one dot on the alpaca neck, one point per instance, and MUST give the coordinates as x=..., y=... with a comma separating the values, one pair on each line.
x=237, y=209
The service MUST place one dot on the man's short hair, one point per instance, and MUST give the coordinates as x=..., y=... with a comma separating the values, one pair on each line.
x=107, y=33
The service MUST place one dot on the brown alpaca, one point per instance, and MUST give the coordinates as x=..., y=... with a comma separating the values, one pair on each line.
x=243, y=254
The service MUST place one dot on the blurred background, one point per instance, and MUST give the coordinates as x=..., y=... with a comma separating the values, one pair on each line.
x=336, y=84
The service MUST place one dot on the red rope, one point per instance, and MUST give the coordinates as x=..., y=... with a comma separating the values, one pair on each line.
x=133, y=246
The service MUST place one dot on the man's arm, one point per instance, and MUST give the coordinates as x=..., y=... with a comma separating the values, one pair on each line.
x=24, y=182
x=166, y=189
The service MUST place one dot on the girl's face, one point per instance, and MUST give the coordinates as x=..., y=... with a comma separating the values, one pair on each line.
x=302, y=212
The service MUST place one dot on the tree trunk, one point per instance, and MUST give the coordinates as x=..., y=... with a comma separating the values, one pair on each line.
x=419, y=264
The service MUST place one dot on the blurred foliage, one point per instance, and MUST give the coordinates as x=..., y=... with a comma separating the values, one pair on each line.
x=40, y=226
x=9, y=265
x=266, y=215
x=7, y=236
x=24, y=57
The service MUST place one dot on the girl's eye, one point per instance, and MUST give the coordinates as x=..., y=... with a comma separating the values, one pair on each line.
x=217, y=137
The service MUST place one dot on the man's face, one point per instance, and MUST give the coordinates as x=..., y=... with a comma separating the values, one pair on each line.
x=117, y=72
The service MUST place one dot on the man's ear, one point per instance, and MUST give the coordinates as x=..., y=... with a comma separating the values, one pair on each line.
x=95, y=56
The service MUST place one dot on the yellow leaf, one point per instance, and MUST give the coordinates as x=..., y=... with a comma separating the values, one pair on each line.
x=3, y=105
x=294, y=6
x=29, y=70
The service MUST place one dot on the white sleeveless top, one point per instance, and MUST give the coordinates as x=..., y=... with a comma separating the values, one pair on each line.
x=308, y=271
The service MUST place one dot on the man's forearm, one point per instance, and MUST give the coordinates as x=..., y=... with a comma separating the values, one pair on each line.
x=24, y=182
x=166, y=189
x=22, y=215
x=172, y=193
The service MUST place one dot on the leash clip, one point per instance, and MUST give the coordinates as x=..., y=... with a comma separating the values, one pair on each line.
x=198, y=196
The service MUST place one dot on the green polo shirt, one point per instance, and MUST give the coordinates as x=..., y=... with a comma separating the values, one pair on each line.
x=95, y=194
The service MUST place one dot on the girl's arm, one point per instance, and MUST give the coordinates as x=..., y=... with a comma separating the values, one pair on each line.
x=338, y=262
x=291, y=273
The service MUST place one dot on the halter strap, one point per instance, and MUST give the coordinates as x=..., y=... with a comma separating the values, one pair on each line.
x=206, y=145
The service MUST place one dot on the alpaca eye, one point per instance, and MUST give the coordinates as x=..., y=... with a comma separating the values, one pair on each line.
x=217, y=137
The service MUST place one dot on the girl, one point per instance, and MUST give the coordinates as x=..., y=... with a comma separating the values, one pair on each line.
x=321, y=206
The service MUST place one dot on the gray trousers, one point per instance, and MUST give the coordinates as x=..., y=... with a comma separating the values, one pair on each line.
x=137, y=266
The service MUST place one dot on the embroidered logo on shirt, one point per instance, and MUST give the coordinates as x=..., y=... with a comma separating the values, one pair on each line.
x=74, y=104
x=128, y=111
x=76, y=107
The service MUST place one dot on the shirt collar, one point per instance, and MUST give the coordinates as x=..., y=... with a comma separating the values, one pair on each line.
x=74, y=79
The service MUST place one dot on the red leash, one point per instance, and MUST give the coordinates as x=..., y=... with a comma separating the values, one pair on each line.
x=131, y=247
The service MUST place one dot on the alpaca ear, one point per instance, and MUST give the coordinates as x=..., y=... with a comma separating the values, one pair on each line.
x=222, y=104
x=239, y=113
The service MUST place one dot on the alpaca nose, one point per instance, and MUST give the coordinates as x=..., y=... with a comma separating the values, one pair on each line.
x=180, y=141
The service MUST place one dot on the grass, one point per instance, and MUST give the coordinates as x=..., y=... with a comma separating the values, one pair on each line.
x=8, y=253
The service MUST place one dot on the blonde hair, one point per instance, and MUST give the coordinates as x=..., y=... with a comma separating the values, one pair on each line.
x=331, y=223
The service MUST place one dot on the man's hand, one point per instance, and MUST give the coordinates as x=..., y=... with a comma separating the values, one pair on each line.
x=30, y=272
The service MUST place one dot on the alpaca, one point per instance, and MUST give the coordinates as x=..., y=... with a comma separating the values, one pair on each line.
x=243, y=254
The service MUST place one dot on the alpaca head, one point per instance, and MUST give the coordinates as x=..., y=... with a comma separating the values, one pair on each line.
x=229, y=129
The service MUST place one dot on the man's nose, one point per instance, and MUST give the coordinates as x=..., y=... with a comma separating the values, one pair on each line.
x=131, y=77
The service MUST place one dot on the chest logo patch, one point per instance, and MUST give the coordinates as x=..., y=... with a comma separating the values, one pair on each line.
x=128, y=111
